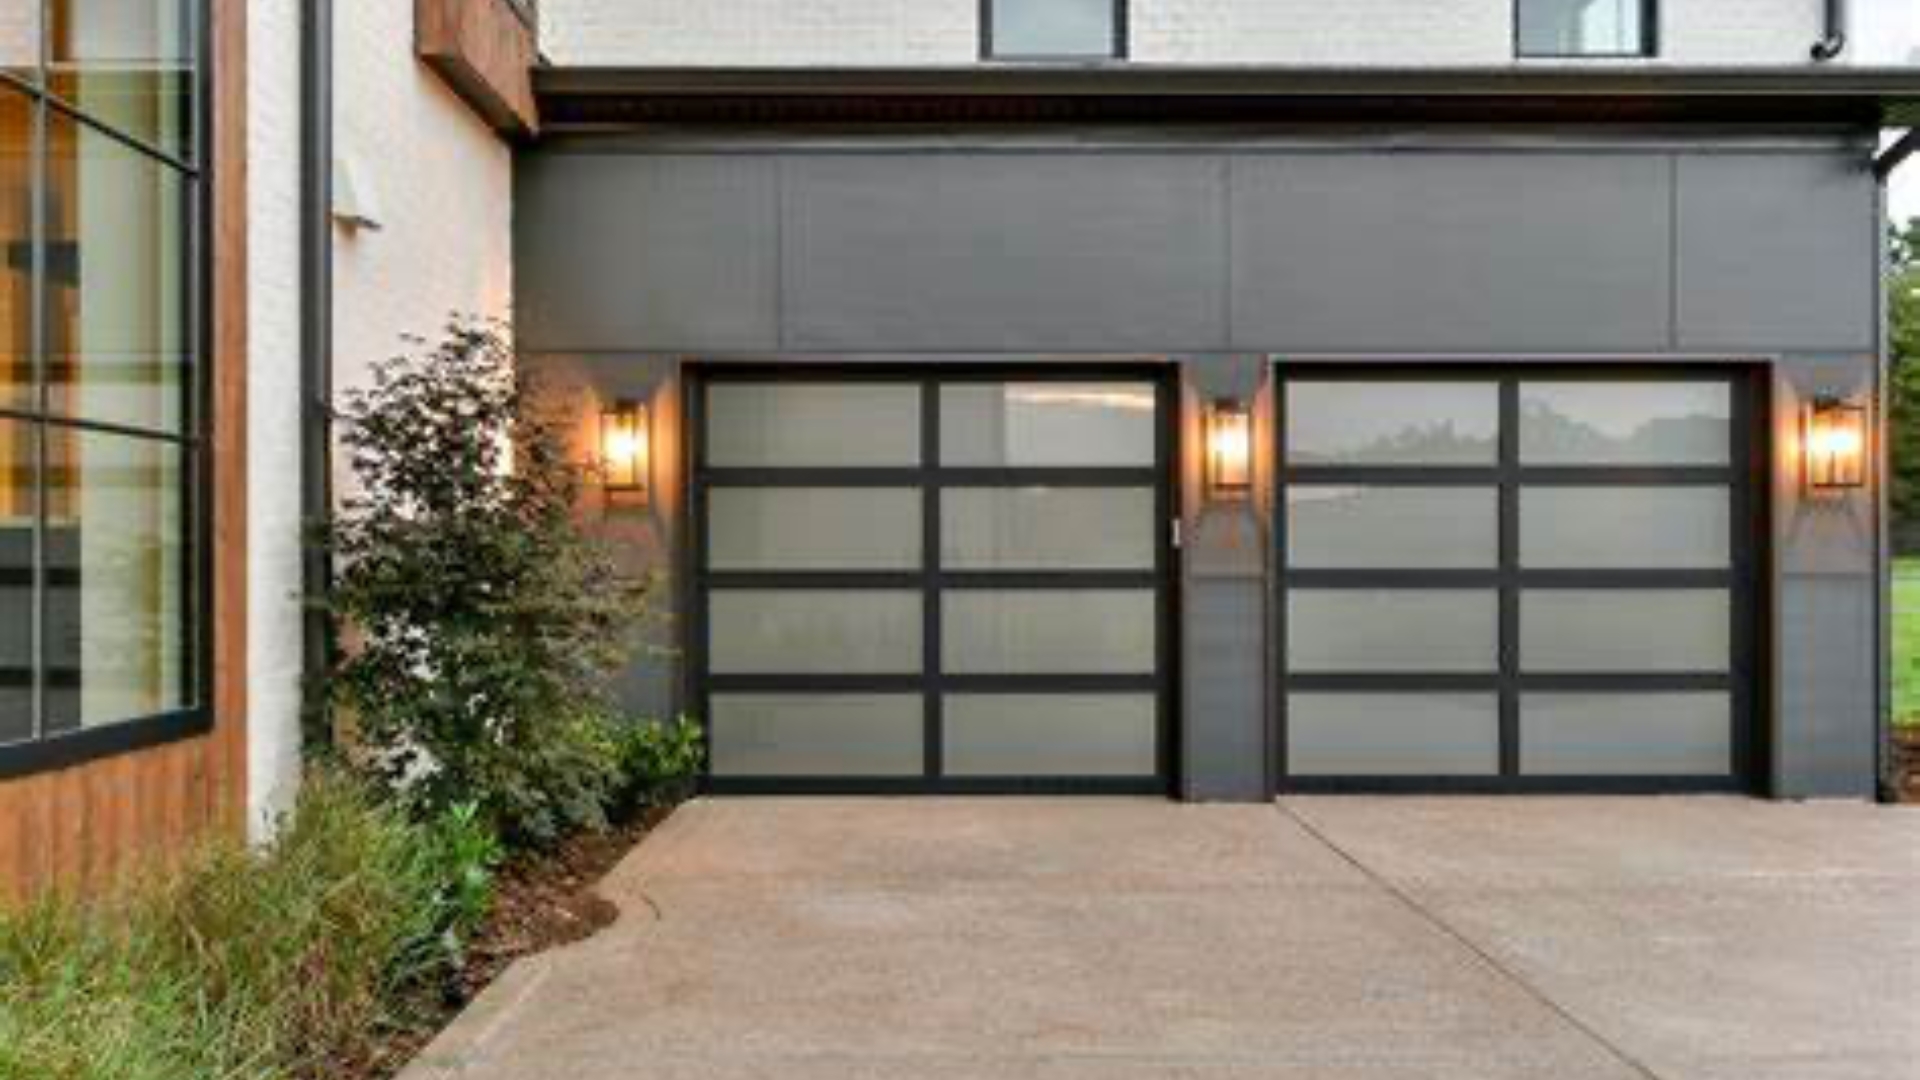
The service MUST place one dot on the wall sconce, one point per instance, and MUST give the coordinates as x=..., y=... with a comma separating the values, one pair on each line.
x=626, y=449
x=1836, y=445
x=1229, y=450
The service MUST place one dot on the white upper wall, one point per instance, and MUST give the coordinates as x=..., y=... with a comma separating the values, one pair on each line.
x=1390, y=33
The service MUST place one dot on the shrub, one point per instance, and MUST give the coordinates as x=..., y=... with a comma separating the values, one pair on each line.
x=659, y=761
x=484, y=623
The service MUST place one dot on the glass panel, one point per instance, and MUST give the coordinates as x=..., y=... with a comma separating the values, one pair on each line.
x=813, y=528
x=127, y=64
x=1624, y=630
x=1043, y=28
x=1416, y=630
x=16, y=249
x=20, y=39
x=1040, y=528
x=119, y=594
x=1393, y=423
x=1581, y=28
x=1416, y=528
x=1603, y=528
x=1415, y=734
x=1048, y=631
x=1672, y=734
x=118, y=299
x=1051, y=734
x=1625, y=423
x=1048, y=424
x=16, y=581
x=796, y=425
x=818, y=734
x=814, y=631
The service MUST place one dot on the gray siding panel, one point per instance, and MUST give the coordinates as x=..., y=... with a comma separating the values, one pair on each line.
x=1427, y=252
x=639, y=253
x=1776, y=252
x=1224, y=678
x=1827, y=728
x=1004, y=252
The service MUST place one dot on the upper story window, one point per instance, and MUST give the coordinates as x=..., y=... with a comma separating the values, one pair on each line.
x=1053, y=29
x=1585, y=28
x=102, y=541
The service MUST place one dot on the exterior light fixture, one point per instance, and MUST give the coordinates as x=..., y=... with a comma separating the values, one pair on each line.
x=626, y=458
x=1229, y=450
x=1836, y=445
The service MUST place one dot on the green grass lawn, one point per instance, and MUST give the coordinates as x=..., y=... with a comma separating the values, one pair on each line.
x=1906, y=641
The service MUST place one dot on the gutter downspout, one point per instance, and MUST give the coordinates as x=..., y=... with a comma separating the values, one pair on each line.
x=316, y=360
x=1835, y=42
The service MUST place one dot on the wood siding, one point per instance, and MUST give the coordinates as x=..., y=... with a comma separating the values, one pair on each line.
x=486, y=51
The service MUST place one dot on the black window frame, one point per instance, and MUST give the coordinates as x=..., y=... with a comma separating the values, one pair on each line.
x=42, y=751
x=1649, y=38
x=1117, y=52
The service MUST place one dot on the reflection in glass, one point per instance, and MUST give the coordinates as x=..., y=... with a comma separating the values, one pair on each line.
x=16, y=249
x=1375, y=527
x=1625, y=630
x=16, y=581
x=1633, y=528
x=814, y=631
x=20, y=39
x=1050, y=734
x=799, y=425
x=119, y=319
x=1048, y=631
x=1625, y=423
x=1392, y=423
x=1413, y=630
x=813, y=528
x=795, y=734
x=1427, y=733
x=1582, y=27
x=1626, y=734
x=1049, y=28
x=127, y=64
x=1048, y=424
x=119, y=579
x=1041, y=528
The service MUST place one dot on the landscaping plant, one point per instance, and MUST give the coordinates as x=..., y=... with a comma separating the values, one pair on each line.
x=659, y=762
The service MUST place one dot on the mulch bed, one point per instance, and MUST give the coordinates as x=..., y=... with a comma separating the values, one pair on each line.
x=543, y=900
x=1906, y=764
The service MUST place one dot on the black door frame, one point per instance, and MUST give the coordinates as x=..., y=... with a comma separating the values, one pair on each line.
x=930, y=478
x=1745, y=476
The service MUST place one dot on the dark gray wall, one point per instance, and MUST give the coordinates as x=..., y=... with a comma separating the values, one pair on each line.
x=1228, y=250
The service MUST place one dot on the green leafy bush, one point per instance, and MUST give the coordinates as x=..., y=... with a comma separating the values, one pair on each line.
x=482, y=623
x=659, y=761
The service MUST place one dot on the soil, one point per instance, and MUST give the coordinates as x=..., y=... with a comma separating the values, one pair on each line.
x=543, y=900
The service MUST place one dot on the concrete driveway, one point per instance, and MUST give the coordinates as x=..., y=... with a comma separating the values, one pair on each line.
x=1344, y=938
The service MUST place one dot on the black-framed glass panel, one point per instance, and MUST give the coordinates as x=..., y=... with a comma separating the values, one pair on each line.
x=802, y=734
x=1432, y=733
x=1392, y=526
x=1393, y=422
x=1035, y=424
x=17, y=124
x=1608, y=422
x=19, y=579
x=1054, y=29
x=21, y=40
x=1584, y=28
x=128, y=65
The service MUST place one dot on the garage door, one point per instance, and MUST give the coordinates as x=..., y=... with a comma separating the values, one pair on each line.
x=1515, y=579
x=916, y=582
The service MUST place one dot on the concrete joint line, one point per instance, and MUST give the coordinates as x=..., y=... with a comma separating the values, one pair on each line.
x=1432, y=919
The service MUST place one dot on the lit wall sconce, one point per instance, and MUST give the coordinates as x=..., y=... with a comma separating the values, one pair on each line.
x=1229, y=450
x=626, y=450
x=1836, y=445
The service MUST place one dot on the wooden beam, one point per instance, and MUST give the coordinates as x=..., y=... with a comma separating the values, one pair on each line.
x=486, y=51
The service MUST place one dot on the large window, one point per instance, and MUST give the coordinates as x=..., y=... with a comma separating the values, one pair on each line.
x=1585, y=28
x=1053, y=29
x=102, y=554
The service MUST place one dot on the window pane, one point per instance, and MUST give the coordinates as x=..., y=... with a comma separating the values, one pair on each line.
x=1626, y=423
x=16, y=581
x=1413, y=630
x=1392, y=423
x=1581, y=28
x=127, y=64
x=813, y=528
x=1626, y=734
x=1414, y=528
x=119, y=571
x=119, y=315
x=1051, y=734
x=817, y=734
x=1603, y=528
x=796, y=425
x=1049, y=631
x=16, y=249
x=1414, y=734
x=814, y=631
x=1048, y=424
x=20, y=39
x=1053, y=28
x=1041, y=528
x=1624, y=630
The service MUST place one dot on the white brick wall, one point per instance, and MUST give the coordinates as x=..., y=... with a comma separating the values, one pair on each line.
x=1300, y=32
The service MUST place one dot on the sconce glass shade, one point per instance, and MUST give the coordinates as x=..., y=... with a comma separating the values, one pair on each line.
x=625, y=447
x=1229, y=450
x=1836, y=445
